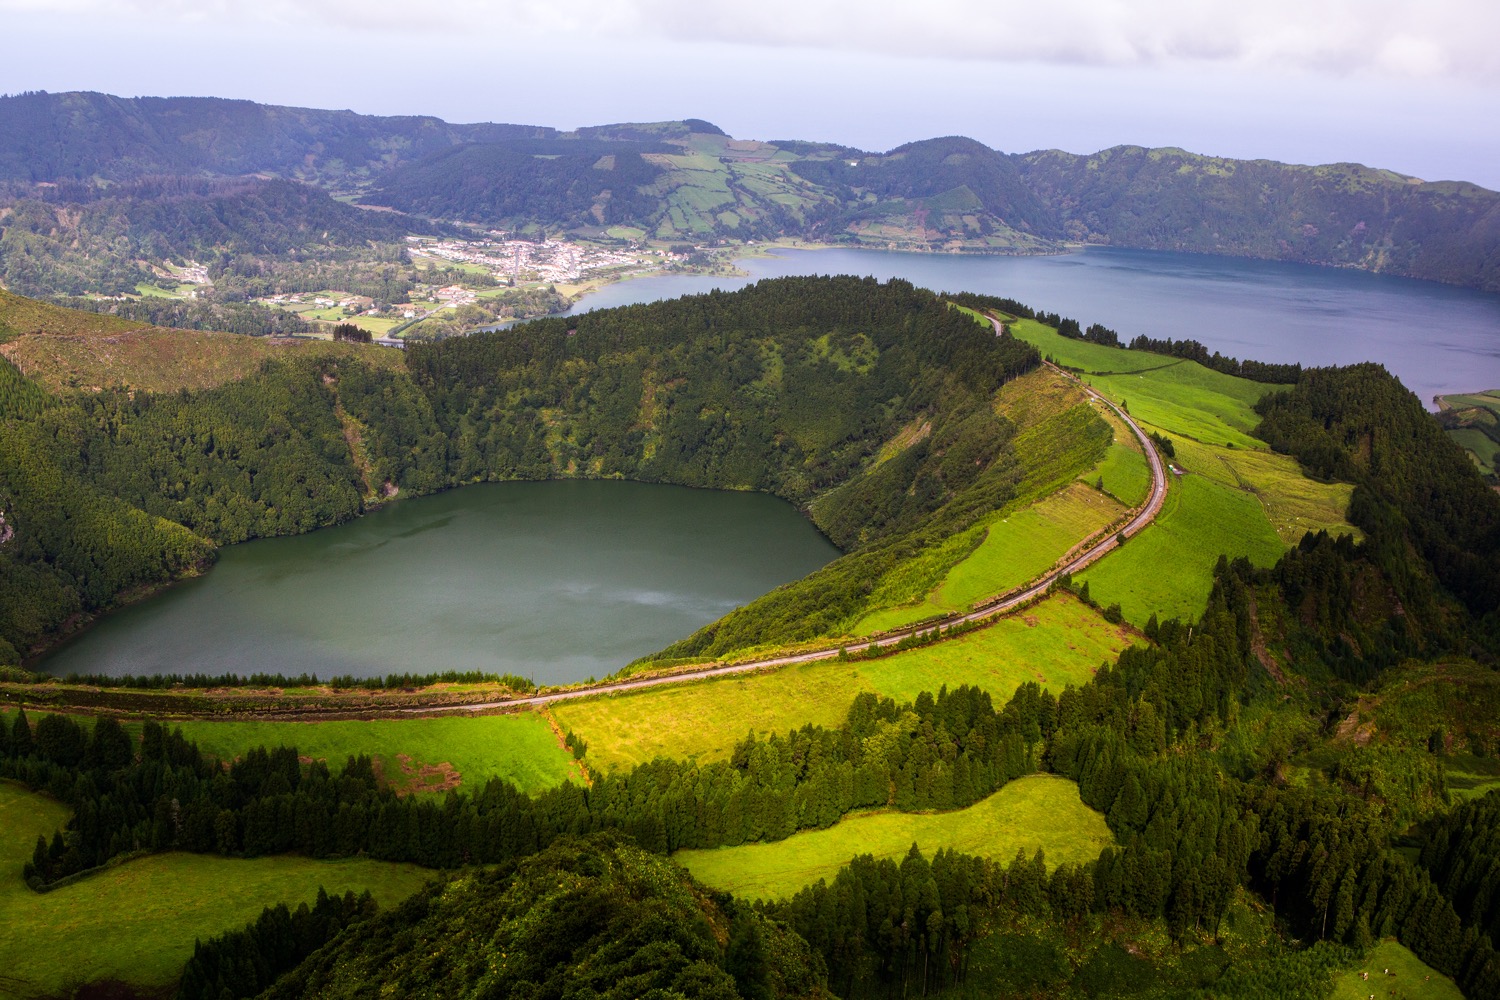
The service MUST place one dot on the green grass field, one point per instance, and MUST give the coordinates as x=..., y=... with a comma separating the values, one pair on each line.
x=1292, y=503
x=1056, y=643
x=1016, y=548
x=1036, y=811
x=1480, y=446
x=1182, y=396
x=1026, y=544
x=137, y=922
x=1238, y=498
x=1167, y=569
x=520, y=748
x=1124, y=473
x=1393, y=971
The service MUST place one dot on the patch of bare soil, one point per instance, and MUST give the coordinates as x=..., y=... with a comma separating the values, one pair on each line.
x=1258, y=647
x=417, y=777
x=562, y=742
x=1352, y=729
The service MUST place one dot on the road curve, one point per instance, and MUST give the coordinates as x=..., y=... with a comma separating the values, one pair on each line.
x=997, y=606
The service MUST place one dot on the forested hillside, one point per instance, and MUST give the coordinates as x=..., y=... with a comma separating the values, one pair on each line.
x=790, y=387
x=77, y=239
x=53, y=137
x=1341, y=214
x=1416, y=484
x=560, y=181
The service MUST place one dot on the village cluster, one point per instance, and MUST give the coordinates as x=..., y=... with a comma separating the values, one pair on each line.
x=547, y=261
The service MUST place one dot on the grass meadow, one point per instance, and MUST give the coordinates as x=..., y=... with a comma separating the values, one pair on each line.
x=1124, y=474
x=1056, y=642
x=1182, y=396
x=1393, y=971
x=137, y=922
x=520, y=748
x=1016, y=548
x=1036, y=811
x=1167, y=569
x=1236, y=499
x=1293, y=503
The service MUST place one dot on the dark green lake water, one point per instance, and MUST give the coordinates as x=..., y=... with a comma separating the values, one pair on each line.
x=558, y=581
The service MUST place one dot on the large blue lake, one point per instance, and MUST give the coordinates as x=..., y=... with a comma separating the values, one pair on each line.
x=1435, y=338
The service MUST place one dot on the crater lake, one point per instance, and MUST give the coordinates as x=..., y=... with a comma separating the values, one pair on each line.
x=557, y=581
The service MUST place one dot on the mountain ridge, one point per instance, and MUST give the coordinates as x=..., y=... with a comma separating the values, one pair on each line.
x=689, y=181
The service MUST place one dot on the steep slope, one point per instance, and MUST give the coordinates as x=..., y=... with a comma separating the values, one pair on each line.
x=1342, y=214
x=79, y=239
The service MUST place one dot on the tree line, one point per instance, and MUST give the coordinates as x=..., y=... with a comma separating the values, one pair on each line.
x=936, y=753
x=1192, y=826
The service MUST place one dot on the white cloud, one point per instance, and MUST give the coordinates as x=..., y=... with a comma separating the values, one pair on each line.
x=1392, y=38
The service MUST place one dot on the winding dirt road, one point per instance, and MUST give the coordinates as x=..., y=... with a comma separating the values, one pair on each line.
x=992, y=608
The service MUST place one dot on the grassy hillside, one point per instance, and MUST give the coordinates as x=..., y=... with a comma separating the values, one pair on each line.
x=66, y=350
x=1054, y=643
x=137, y=922
x=1230, y=494
x=1029, y=814
x=1473, y=420
x=1167, y=569
x=1172, y=393
x=1390, y=969
x=1015, y=547
x=1020, y=541
x=436, y=754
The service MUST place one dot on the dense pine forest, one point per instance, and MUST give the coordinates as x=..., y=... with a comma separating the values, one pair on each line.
x=1258, y=844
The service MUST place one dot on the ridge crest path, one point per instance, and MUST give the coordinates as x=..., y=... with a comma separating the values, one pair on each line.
x=993, y=608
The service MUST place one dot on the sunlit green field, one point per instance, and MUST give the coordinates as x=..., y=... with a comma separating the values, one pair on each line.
x=520, y=748
x=1293, y=503
x=1237, y=497
x=137, y=922
x=1167, y=569
x=1056, y=643
x=1124, y=474
x=1016, y=548
x=1036, y=811
x=1390, y=969
x=1182, y=396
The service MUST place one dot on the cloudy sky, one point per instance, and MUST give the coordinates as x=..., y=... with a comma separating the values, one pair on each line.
x=1383, y=82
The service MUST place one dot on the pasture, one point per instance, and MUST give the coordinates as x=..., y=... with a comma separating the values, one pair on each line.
x=520, y=748
x=1181, y=396
x=1017, y=547
x=1391, y=970
x=1056, y=642
x=1167, y=569
x=1123, y=474
x=1037, y=811
x=137, y=922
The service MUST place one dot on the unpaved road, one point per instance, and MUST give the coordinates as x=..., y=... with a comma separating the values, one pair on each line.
x=999, y=605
